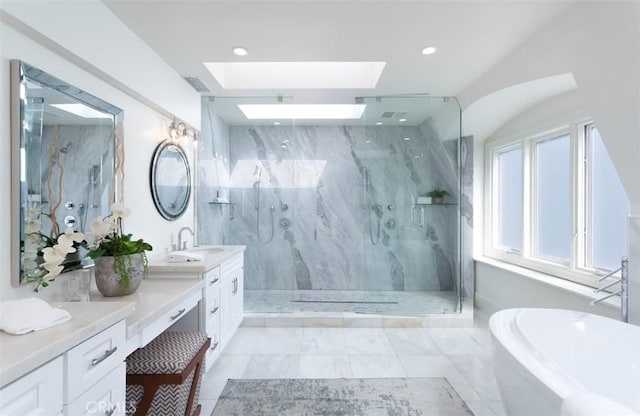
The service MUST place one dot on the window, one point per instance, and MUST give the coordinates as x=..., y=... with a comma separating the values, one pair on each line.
x=607, y=207
x=509, y=212
x=555, y=204
x=552, y=232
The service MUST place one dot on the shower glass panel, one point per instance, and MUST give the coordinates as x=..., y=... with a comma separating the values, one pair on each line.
x=409, y=148
x=333, y=212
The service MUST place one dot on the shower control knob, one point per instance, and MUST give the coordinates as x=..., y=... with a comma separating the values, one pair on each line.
x=69, y=205
x=284, y=207
x=390, y=207
x=69, y=220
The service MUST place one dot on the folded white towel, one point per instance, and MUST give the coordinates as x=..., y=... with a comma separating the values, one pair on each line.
x=590, y=404
x=30, y=314
x=184, y=256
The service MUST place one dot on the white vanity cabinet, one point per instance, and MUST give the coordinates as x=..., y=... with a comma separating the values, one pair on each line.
x=95, y=374
x=37, y=393
x=210, y=316
x=88, y=378
x=231, y=297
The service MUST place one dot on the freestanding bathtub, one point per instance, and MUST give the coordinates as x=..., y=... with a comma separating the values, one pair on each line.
x=552, y=362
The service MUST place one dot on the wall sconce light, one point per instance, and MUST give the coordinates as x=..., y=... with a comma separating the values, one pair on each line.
x=179, y=132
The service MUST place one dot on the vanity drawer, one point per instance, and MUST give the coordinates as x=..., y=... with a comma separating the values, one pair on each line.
x=211, y=277
x=105, y=398
x=39, y=392
x=87, y=363
x=169, y=318
x=213, y=332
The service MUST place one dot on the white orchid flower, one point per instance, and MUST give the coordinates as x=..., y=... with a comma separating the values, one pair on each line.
x=65, y=243
x=75, y=236
x=49, y=277
x=53, y=254
x=31, y=226
x=119, y=211
x=99, y=229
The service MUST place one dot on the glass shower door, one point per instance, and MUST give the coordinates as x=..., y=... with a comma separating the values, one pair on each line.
x=412, y=253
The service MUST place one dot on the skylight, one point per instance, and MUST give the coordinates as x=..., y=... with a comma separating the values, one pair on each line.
x=292, y=75
x=302, y=111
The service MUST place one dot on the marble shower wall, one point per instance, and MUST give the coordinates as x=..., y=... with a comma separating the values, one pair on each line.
x=318, y=190
x=86, y=155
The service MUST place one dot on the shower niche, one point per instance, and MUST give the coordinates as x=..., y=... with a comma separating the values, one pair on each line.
x=327, y=210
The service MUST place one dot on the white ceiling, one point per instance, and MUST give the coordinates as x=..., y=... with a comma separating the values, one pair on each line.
x=471, y=37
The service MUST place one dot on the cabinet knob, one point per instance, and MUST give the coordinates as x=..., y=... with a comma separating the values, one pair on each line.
x=214, y=310
x=213, y=282
x=214, y=346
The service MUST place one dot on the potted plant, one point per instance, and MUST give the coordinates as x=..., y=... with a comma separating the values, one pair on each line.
x=437, y=195
x=120, y=261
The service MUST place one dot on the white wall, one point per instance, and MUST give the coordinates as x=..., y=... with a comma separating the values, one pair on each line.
x=144, y=128
x=599, y=44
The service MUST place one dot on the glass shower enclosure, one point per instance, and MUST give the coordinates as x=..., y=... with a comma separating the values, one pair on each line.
x=339, y=216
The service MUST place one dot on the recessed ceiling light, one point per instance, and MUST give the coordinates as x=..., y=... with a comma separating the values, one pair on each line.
x=302, y=111
x=402, y=120
x=276, y=123
x=378, y=123
x=429, y=50
x=240, y=51
x=292, y=75
x=406, y=139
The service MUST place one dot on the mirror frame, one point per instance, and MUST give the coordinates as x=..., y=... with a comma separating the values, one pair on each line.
x=157, y=154
x=19, y=71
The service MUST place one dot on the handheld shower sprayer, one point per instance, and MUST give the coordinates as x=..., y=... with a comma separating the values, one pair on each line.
x=257, y=174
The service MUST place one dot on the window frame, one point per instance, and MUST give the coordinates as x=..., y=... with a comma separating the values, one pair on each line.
x=575, y=269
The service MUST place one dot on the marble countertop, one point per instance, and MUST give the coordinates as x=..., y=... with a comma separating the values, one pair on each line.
x=152, y=299
x=20, y=354
x=213, y=256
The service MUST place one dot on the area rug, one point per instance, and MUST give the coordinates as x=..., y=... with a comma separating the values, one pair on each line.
x=366, y=397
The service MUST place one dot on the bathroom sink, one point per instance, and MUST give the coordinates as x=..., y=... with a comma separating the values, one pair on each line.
x=208, y=250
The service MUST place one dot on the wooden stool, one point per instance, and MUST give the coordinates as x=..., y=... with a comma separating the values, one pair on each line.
x=163, y=378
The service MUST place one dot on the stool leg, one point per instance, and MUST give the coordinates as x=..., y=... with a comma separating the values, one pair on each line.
x=150, y=389
x=194, y=386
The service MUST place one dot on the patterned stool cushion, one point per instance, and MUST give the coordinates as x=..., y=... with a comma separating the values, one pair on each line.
x=167, y=355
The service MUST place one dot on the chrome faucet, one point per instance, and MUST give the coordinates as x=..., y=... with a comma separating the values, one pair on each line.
x=182, y=245
x=623, y=292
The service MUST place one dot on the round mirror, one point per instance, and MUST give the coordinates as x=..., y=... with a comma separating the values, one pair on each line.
x=170, y=180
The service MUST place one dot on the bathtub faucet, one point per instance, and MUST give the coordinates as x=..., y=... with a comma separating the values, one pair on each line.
x=623, y=292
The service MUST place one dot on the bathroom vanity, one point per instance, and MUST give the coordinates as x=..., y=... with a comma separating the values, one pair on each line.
x=222, y=272
x=79, y=367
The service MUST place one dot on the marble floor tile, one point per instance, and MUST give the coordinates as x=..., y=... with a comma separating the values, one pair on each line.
x=279, y=341
x=497, y=407
x=226, y=366
x=368, y=341
x=324, y=366
x=207, y=406
x=244, y=341
x=457, y=341
x=272, y=366
x=376, y=366
x=324, y=341
x=411, y=341
x=479, y=373
x=482, y=335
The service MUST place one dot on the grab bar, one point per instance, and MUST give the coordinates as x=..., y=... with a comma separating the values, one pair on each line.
x=623, y=292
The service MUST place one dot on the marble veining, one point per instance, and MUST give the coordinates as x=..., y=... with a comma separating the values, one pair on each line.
x=340, y=201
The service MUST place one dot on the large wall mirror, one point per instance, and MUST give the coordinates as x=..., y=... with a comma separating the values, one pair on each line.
x=63, y=145
x=170, y=179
